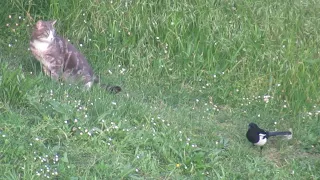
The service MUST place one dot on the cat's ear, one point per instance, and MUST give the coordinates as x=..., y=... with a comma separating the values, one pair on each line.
x=53, y=22
x=39, y=24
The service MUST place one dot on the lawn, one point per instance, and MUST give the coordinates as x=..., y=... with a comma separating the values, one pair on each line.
x=194, y=74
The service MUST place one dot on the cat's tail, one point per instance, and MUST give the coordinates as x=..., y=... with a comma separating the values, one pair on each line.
x=112, y=89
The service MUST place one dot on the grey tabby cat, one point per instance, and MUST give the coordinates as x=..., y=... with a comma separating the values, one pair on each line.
x=60, y=59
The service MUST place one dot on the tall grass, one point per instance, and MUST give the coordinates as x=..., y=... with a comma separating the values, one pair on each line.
x=259, y=46
x=194, y=73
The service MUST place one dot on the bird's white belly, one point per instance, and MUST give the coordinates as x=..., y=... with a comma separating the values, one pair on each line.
x=262, y=140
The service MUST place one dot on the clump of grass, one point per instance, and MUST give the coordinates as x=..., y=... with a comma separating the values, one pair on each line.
x=14, y=86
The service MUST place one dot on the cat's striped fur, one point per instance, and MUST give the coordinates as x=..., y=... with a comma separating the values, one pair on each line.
x=59, y=58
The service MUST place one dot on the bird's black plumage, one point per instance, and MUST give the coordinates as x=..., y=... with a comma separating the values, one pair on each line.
x=254, y=133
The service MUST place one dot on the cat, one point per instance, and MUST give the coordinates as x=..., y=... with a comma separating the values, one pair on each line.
x=59, y=59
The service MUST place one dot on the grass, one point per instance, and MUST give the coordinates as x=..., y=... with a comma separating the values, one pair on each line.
x=193, y=73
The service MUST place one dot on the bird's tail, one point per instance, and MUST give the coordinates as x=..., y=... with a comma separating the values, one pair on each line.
x=283, y=133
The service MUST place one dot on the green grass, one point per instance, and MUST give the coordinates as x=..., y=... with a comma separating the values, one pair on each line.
x=193, y=73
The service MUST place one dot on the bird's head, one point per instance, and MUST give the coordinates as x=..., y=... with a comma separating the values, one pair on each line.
x=253, y=125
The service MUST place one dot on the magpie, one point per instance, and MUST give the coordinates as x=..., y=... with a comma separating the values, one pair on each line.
x=259, y=137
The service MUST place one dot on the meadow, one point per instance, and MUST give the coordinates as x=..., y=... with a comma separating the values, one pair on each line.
x=194, y=74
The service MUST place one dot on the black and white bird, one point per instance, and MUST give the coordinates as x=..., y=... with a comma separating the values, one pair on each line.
x=259, y=137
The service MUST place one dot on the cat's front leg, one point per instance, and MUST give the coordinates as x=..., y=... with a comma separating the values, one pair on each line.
x=56, y=70
x=46, y=71
x=55, y=76
x=52, y=74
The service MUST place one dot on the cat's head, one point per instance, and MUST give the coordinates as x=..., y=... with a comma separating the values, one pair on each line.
x=44, y=30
